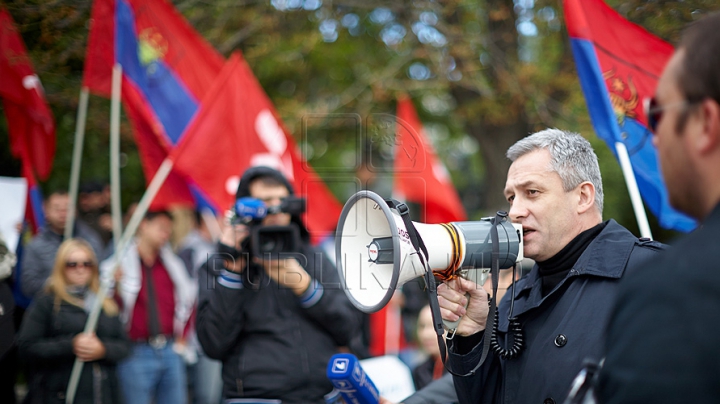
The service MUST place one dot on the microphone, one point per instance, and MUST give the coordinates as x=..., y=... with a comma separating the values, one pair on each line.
x=249, y=209
x=349, y=378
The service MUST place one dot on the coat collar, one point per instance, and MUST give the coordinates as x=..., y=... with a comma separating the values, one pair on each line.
x=605, y=257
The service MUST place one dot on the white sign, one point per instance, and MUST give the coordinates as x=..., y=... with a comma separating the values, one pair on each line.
x=391, y=377
x=12, y=206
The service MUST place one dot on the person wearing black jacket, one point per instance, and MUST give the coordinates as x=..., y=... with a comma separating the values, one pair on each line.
x=561, y=307
x=274, y=323
x=51, y=336
x=662, y=340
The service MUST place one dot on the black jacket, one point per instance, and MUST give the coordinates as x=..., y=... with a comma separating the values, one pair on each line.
x=561, y=330
x=662, y=341
x=273, y=345
x=439, y=391
x=423, y=373
x=45, y=345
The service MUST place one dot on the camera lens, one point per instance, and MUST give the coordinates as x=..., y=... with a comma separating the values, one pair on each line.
x=275, y=240
x=268, y=245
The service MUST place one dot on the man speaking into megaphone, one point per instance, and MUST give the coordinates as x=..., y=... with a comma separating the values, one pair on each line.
x=553, y=319
x=560, y=308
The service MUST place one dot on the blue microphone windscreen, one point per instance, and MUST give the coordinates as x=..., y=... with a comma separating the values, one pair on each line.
x=349, y=378
x=251, y=208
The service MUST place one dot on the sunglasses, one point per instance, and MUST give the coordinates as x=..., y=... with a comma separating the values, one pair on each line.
x=76, y=264
x=654, y=111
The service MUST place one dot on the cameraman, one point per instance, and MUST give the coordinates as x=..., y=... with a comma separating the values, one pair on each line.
x=275, y=322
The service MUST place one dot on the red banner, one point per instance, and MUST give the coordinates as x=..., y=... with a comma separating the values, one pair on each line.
x=420, y=176
x=30, y=122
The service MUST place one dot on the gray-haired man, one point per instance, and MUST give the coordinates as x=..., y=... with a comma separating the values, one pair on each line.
x=555, y=191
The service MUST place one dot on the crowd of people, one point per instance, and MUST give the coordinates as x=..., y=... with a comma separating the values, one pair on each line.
x=201, y=322
x=628, y=319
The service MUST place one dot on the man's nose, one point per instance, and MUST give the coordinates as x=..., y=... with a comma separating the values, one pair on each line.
x=518, y=210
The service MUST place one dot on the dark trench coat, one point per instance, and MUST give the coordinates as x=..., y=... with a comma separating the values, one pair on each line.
x=561, y=330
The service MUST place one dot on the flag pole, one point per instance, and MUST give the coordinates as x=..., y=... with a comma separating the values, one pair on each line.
x=142, y=207
x=211, y=222
x=76, y=160
x=115, y=153
x=624, y=159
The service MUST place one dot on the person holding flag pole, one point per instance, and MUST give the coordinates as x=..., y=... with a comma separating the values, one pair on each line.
x=115, y=260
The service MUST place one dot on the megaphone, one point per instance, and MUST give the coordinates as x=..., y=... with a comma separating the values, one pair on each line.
x=375, y=256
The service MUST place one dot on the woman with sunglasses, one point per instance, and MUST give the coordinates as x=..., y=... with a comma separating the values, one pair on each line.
x=52, y=336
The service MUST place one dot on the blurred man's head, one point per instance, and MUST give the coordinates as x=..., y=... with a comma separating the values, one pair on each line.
x=56, y=210
x=90, y=197
x=554, y=189
x=686, y=111
x=271, y=187
x=272, y=192
x=155, y=229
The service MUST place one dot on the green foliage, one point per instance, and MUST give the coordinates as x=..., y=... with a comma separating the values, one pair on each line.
x=478, y=85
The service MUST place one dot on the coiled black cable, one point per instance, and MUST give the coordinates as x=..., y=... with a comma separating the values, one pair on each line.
x=514, y=329
x=518, y=344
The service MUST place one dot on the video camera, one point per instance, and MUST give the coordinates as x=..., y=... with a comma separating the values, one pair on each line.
x=268, y=240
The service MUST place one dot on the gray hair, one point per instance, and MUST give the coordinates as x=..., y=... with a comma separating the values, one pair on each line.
x=571, y=156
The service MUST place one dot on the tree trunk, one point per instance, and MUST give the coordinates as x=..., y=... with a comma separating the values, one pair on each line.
x=494, y=142
x=497, y=135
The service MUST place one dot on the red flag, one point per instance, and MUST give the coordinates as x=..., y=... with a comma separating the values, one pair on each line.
x=174, y=191
x=237, y=127
x=387, y=336
x=619, y=63
x=100, y=54
x=167, y=68
x=30, y=121
x=420, y=176
x=141, y=33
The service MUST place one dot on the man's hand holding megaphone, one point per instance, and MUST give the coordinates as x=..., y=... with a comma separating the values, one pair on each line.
x=377, y=250
x=463, y=299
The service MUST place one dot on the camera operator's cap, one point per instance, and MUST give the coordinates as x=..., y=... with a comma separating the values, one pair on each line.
x=260, y=171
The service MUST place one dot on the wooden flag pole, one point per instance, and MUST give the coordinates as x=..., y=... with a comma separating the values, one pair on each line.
x=624, y=159
x=76, y=161
x=115, y=154
x=107, y=280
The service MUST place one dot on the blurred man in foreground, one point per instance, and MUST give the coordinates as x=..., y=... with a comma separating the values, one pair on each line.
x=662, y=344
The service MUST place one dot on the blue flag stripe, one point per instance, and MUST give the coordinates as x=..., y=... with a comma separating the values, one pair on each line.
x=632, y=133
x=170, y=100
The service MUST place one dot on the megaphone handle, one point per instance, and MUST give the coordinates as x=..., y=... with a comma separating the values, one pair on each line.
x=452, y=325
x=475, y=274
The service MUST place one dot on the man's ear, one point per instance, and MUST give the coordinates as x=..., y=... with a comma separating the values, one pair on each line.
x=586, y=193
x=709, y=141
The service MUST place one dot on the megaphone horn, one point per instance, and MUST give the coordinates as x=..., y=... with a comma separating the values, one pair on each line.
x=375, y=255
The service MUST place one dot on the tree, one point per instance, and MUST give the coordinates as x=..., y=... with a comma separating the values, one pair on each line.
x=482, y=73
